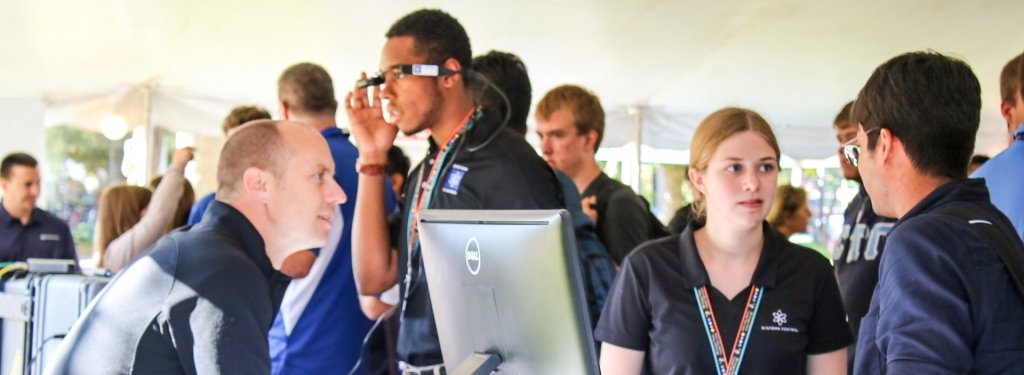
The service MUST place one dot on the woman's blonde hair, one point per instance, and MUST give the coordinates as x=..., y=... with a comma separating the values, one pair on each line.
x=714, y=130
x=788, y=199
x=120, y=209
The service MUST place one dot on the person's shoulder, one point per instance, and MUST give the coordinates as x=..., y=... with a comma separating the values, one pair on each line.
x=654, y=251
x=208, y=249
x=47, y=217
x=51, y=221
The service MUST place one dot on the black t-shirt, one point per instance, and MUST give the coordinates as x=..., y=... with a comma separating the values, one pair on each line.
x=623, y=221
x=653, y=308
x=857, y=256
x=505, y=174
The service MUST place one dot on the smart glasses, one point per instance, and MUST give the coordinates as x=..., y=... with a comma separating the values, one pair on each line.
x=852, y=151
x=399, y=71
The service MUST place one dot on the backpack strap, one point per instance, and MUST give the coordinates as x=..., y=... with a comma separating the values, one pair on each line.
x=1012, y=257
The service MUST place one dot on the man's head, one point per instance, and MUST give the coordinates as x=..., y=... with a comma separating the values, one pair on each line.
x=398, y=168
x=976, y=162
x=918, y=115
x=305, y=89
x=427, y=36
x=508, y=73
x=19, y=177
x=241, y=115
x=1011, y=88
x=264, y=167
x=570, y=122
x=846, y=131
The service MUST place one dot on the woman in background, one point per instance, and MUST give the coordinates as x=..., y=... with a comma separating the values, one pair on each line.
x=791, y=212
x=130, y=221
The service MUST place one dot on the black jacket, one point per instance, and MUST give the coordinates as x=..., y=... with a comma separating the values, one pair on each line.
x=201, y=301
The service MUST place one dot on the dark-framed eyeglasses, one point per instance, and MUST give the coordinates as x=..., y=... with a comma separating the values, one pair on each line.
x=852, y=151
x=399, y=71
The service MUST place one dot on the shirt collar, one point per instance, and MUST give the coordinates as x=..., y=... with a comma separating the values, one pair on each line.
x=765, y=274
x=334, y=131
x=224, y=215
x=6, y=218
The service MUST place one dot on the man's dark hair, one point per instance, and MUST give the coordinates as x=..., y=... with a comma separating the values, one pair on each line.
x=307, y=88
x=508, y=73
x=17, y=158
x=438, y=36
x=397, y=162
x=979, y=159
x=931, y=102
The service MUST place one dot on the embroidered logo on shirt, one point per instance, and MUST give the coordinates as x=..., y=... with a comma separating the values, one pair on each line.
x=451, y=185
x=49, y=237
x=780, y=318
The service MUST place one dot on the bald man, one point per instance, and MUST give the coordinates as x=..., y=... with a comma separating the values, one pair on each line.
x=202, y=300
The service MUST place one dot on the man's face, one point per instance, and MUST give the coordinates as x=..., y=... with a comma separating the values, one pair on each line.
x=21, y=189
x=561, y=144
x=844, y=135
x=414, y=102
x=301, y=202
x=871, y=175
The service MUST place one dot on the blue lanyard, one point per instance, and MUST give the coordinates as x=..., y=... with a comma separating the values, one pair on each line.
x=728, y=365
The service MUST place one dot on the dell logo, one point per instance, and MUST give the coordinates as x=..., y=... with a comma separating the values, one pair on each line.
x=473, y=256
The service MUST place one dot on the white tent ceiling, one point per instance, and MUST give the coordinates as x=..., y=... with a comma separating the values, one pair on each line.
x=795, y=61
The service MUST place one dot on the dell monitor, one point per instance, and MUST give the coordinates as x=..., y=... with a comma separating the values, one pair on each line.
x=507, y=292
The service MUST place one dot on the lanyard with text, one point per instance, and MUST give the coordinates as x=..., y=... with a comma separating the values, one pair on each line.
x=728, y=365
x=423, y=192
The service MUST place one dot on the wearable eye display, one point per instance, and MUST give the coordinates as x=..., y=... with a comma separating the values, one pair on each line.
x=401, y=70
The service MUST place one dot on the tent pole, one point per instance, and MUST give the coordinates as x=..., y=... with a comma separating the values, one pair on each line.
x=638, y=127
x=152, y=148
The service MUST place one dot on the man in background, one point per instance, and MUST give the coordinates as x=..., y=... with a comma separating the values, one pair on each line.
x=26, y=231
x=860, y=245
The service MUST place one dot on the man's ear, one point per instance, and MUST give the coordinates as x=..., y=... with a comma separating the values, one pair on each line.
x=1006, y=109
x=256, y=184
x=885, y=145
x=591, y=140
x=286, y=113
x=453, y=79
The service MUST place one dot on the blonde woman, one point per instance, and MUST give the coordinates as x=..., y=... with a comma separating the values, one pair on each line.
x=728, y=293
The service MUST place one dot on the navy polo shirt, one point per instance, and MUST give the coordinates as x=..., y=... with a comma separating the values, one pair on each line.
x=45, y=236
x=652, y=308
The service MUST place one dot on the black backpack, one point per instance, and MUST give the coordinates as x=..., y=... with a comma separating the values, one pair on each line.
x=657, y=229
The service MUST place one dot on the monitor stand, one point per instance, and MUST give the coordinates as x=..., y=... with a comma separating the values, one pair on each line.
x=478, y=364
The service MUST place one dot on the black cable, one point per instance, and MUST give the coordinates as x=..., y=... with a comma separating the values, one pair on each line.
x=35, y=352
x=508, y=105
x=367, y=339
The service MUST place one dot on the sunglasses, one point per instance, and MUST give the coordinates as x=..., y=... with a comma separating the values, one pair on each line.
x=852, y=151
